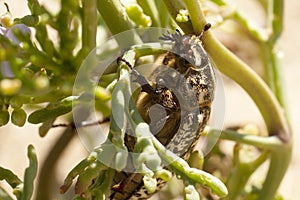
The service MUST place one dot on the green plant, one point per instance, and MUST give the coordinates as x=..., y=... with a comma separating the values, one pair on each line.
x=37, y=70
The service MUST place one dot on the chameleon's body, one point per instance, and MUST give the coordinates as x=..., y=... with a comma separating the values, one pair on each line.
x=178, y=108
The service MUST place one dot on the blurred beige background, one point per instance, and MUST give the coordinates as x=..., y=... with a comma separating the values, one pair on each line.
x=14, y=140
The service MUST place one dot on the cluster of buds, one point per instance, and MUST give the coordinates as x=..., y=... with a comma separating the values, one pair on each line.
x=9, y=84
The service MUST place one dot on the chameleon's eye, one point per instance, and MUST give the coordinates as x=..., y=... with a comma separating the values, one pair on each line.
x=160, y=84
x=185, y=40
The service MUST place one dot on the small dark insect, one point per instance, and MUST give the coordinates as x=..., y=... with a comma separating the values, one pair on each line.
x=176, y=103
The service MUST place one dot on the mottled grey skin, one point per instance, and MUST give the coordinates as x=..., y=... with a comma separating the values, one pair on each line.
x=184, y=92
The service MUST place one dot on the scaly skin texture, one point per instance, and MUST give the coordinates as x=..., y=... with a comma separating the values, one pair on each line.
x=176, y=104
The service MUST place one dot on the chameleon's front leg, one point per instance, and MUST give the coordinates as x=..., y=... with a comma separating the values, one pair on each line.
x=140, y=79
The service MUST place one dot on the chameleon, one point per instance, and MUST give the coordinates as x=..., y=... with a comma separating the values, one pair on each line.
x=175, y=102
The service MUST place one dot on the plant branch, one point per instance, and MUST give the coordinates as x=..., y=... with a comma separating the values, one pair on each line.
x=280, y=160
x=241, y=73
x=261, y=94
x=256, y=32
x=275, y=19
x=89, y=24
x=241, y=172
x=48, y=167
x=196, y=15
x=117, y=20
x=272, y=112
x=272, y=55
x=266, y=143
x=272, y=67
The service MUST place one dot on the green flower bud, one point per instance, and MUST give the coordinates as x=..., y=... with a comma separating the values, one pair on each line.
x=182, y=16
x=134, y=10
x=145, y=21
x=10, y=86
x=152, y=160
x=4, y=117
x=163, y=174
x=121, y=160
x=41, y=82
x=135, y=13
x=43, y=71
x=38, y=60
x=204, y=178
x=191, y=193
x=6, y=20
x=196, y=159
x=93, y=156
x=17, y=191
x=18, y=117
x=150, y=184
x=102, y=94
x=184, y=12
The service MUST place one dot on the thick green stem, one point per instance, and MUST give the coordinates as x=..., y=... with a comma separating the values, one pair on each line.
x=89, y=24
x=264, y=4
x=275, y=19
x=261, y=94
x=89, y=29
x=268, y=105
x=280, y=160
x=164, y=16
x=273, y=114
x=196, y=15
x=114, y=15
x=240, y=72
x=266, y=143
x=272, y=55
x=117, y=21
x=241, y=173
x=272, y=67
x=258, y=33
